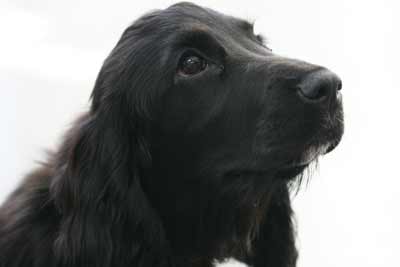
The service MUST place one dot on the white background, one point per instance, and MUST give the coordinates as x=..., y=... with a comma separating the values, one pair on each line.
x=51, y=51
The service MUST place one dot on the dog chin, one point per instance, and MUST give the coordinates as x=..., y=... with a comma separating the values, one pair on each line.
x=312, y=153
x=290, y=169
x=308, y=156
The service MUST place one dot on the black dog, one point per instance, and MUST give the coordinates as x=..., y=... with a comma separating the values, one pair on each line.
x=195, y=133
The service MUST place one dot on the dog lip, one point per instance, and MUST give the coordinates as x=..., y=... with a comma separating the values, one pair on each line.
x=244, y=172
x=331, y=147
x=286, y=171
x=290, y=168
x=290, y=171
x=311, y=154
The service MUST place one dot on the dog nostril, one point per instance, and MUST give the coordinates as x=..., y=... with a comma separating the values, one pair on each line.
x=319, y=85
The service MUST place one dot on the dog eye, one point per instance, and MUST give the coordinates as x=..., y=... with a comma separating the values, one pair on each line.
x=192, y=64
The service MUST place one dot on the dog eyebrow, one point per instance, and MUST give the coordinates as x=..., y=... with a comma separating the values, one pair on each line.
x=201, y=39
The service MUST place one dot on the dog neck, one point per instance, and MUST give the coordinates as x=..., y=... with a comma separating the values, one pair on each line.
x=220, y=217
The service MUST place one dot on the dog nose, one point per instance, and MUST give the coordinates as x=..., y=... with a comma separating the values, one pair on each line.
x=319, y=85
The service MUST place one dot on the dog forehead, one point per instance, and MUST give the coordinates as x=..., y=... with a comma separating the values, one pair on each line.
x=231, y=32
x=203, y=18
x=168, y=28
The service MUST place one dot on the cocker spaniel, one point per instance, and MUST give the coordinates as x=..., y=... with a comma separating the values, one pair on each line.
x=195, y=134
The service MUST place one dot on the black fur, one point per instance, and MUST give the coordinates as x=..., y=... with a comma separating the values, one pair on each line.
x=170, y=170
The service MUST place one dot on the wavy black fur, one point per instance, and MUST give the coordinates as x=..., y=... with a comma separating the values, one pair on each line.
x=172, y=170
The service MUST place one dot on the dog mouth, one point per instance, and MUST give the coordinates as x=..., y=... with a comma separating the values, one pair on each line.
x=311, y=154
x=295, y=167
x=285, y=173
x=289, y=169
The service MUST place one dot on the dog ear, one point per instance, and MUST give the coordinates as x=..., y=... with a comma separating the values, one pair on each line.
x=105, y=214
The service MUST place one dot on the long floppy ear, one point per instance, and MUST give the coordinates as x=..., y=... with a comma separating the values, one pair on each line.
x=106, y=218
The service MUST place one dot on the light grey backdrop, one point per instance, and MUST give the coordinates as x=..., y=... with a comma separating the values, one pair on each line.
x=51, y=51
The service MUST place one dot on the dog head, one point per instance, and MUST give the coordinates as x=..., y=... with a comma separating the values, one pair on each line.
x=189, y=110
x=219, y=100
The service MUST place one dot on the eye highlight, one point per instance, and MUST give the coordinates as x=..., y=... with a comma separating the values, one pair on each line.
x=191, y=64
